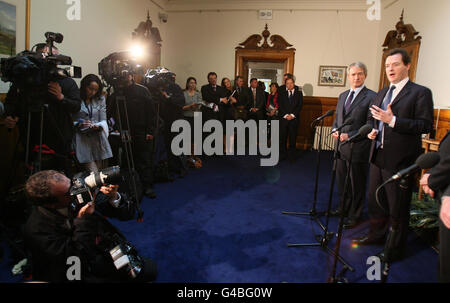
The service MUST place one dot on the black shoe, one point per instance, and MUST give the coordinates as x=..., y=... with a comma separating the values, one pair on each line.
x=149, y=192
x=351, y=223
x=396, y=255
x=366, y=240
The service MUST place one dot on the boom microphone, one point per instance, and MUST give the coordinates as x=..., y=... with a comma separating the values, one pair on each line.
x=328, y=114
x=346, y=123
x=425, y=161
x=361, y=135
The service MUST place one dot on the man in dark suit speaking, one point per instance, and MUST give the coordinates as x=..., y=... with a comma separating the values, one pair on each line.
x=290, y=105
x=353, y=104
x=401, y=113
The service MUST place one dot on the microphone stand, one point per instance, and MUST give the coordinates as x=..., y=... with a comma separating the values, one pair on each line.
x=333, y=278
x=313, y=214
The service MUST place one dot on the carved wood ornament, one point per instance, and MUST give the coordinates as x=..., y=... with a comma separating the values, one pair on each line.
x=404, y=36
x=254, y=42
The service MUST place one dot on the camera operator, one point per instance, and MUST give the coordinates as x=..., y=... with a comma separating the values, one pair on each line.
x=436, y=183
x=142, y=118
x=171, y=98
x=62, y=100
x=54, y=233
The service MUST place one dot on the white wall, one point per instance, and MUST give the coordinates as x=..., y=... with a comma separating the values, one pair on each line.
x=197, y=43
x=432, y=19
x=105, y=27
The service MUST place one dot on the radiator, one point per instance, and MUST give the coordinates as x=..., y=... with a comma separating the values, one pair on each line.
x=328, y=141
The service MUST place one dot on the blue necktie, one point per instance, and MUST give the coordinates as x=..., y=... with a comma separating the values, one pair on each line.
x=386, y=102
x=348, y=103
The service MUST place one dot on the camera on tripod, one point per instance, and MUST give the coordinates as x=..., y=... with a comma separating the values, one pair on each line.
x=35, y=70
x=84, y=183
x=116, y=67
x=158, y=79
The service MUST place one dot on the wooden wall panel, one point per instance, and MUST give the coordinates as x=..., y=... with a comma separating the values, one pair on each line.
x=313, y=107
x=443, y=124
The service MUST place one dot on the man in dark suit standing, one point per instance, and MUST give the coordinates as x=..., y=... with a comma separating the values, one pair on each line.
x=290, y=105
x=213, y=95
x=436, y=183
x=401, y=113
x=353, y=104
x=257, y=101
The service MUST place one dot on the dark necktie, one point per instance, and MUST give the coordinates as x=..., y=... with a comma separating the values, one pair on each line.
x=348, y=103
x=384, y=105
x=291, y=96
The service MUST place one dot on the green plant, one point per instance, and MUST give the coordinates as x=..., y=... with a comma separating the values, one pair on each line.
x=424, y=213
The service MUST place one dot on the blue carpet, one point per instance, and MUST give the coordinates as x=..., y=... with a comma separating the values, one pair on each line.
x=223, y=223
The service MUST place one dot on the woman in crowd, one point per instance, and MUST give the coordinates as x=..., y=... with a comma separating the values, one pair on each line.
x=272, y=105
x=91, y=137
x=192, y=99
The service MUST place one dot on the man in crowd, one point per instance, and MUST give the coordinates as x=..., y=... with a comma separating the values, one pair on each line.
x=353, y=104
x=400, y=114
x=290, y=105
x=257, y=101
x=213, y=95
x=55, y=232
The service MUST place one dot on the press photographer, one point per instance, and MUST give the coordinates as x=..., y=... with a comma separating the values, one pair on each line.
x=66, y=222
x=169, y=98
x=41, y=98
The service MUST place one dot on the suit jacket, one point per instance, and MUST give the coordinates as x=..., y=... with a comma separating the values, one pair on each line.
x=414, y=110
x=209, y=95
x=243, y=98
x=440, y=174
x=260, y=99
x=287, y=107
x=358, y=112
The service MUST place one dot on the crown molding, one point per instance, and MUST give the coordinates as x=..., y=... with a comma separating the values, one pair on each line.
x=254, y=5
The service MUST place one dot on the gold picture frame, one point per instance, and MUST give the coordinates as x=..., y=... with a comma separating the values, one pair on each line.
x=330, y=75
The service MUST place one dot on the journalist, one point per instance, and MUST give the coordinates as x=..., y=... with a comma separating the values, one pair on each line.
x=62, y=100
x=54, y=233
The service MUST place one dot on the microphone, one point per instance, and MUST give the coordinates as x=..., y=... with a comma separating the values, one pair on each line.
x=425, y=161
x=361, y=135
x=346, y=123
x=328, y=114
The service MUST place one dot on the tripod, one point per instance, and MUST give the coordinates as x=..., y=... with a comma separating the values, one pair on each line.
x=127, y=142
x=313, y=214
x=333, y=278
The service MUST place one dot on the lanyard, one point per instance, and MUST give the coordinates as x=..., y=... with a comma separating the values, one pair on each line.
x=89, y=109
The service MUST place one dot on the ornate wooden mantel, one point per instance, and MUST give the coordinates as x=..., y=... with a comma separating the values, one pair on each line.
x=404, y=36
x=258, y=48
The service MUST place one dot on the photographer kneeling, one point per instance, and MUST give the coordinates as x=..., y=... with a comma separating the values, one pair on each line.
x=54, y=233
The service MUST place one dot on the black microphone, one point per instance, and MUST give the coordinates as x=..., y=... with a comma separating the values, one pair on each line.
x=328, y=114
x=346, y=123
x=56, y=37
x=361, y=135
x=425, y=161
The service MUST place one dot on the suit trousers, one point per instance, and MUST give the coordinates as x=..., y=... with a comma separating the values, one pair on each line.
x=394, y=204
x=288, y=130
x=356, y=196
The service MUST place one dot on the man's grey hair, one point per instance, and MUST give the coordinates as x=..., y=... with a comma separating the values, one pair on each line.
x=359, y=65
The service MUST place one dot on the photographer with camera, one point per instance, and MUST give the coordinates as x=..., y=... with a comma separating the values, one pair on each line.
x=61, y=99
x=61, y=227
x=142, y=122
